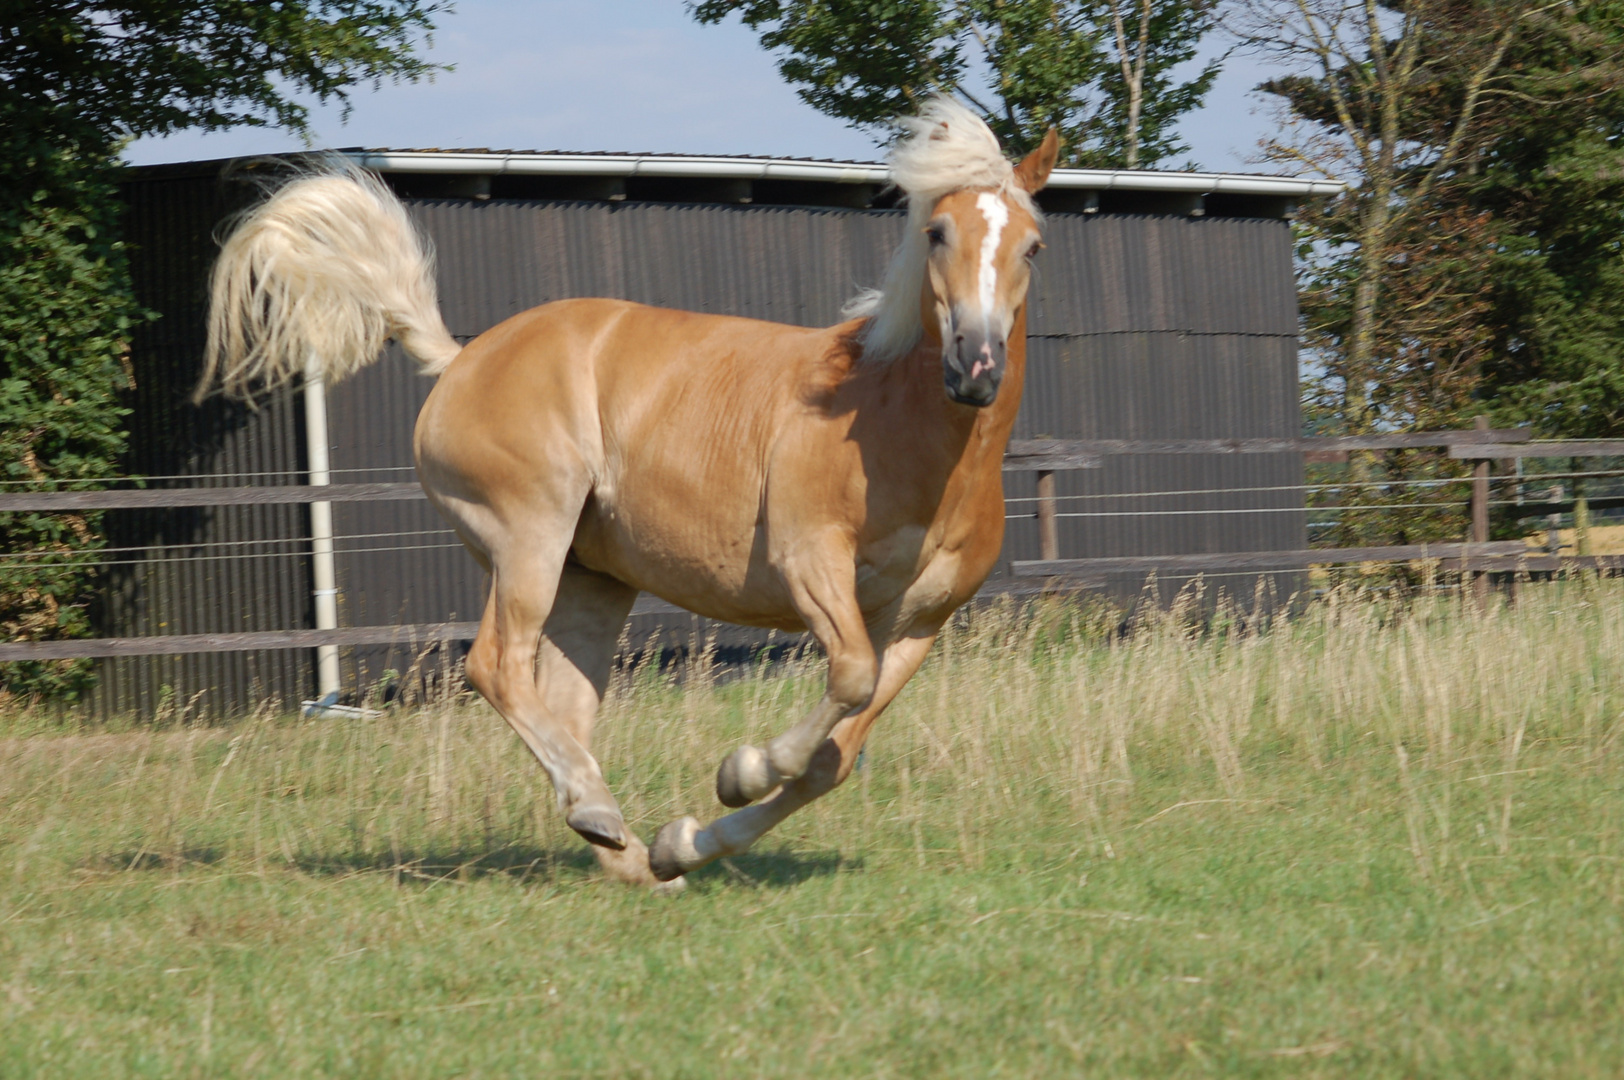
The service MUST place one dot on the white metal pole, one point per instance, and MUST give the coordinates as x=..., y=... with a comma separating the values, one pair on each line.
x=321, y=527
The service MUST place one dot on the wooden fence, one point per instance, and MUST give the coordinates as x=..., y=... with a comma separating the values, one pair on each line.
x=1042, y=456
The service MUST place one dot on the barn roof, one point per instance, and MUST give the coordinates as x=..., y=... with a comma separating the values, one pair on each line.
x=482, y=172
x=567, y=163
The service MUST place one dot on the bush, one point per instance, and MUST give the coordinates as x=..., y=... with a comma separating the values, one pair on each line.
x=66, y=312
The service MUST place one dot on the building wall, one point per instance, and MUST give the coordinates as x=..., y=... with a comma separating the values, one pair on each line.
x=1142, y=326
x=1164, y=327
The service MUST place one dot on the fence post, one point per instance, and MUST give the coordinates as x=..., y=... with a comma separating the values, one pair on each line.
x=1581, y=509
x=1480, y=513
x=1048, y=525
x=1553, y=523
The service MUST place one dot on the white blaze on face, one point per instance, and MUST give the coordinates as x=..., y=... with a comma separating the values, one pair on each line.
x=996, y=211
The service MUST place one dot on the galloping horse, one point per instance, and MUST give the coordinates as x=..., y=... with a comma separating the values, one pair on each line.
x=845, y=481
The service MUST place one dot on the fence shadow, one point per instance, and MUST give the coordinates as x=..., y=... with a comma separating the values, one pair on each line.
x=522, y=862
x=152, y=859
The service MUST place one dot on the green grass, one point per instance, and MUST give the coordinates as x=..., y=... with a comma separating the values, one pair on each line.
x=1368, y=843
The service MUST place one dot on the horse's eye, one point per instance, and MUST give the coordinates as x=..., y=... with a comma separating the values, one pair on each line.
x=1037, y=246
x=936, y=236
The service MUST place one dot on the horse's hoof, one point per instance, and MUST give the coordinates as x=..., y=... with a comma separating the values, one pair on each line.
x=745, y=776
x=666, y=854
x=600, y=825
x=675, y=887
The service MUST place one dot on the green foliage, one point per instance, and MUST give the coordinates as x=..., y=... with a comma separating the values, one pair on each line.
x=1498, y=276
x=1553, y=180
x=1476, y=265
x=1046, y=64
x=76, y=79
x=65, y=317
x=151, y=67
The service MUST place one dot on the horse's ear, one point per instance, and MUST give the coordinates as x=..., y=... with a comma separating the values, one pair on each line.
x=1032, y=173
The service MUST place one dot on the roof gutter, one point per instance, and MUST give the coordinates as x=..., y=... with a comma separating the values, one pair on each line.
x=837, y=172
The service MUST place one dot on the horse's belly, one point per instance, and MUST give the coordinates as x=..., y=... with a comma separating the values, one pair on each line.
x=712, y=568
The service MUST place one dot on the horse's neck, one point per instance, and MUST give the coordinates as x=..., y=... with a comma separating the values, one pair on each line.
x=978, y=435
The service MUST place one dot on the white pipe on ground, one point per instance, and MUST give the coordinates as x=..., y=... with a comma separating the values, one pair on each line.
x=321, y=528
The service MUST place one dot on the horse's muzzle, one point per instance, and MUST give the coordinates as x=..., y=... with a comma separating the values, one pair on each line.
x=972, y=368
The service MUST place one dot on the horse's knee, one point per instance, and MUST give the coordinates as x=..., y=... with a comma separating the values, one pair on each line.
x=492, y=672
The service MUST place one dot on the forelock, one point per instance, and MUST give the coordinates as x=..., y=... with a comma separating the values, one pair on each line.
x=946, y=148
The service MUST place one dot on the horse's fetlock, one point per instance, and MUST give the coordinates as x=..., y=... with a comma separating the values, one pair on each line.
x=784, y=760
x=745, y=776
x=822, y=773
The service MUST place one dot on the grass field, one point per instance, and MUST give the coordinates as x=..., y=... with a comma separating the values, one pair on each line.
x=1370, y=842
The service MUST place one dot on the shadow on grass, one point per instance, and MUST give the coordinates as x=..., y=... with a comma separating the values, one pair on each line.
x=775, y=870
x=519, y=862
x=153, y=859
x=516, y=861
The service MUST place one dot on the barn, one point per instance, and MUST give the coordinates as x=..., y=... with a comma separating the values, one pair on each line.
x=1164, y=307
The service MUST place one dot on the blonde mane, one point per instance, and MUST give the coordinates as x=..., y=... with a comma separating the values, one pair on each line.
x=946, y=148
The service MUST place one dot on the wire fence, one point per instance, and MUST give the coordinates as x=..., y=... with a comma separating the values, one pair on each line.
x=1021, y=507
x=1017, y=508
x=1543, y=494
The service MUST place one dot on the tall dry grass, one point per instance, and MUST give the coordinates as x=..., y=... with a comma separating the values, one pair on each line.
x=1376, y=839
x=1038, y=722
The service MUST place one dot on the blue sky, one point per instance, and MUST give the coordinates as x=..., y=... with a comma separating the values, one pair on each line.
x=630, y=75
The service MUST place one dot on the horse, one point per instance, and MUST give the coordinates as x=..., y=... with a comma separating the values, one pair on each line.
x=845, y=481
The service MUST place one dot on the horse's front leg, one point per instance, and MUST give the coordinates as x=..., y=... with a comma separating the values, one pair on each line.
x=685, y=844
x=824, y=592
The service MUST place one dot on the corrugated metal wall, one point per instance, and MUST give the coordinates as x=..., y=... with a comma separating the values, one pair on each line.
x=1142, y=327
x=1159, y=327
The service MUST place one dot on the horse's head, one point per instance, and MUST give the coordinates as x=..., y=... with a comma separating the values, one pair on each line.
x=981, y=245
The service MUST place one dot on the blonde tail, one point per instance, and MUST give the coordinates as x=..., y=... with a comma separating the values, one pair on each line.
x=322, y=273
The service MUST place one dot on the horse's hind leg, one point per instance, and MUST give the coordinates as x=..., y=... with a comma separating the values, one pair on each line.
x=502, y=667
x=577, y=652
x=685, y=845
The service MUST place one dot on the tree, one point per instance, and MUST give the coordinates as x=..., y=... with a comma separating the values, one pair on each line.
x=76, y=80
x=1160, y=36
x=1438, y=265
x=1099, y=71
x=1390, y=96
x=1553, y=181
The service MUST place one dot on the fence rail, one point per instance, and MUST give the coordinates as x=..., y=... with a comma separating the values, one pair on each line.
x=167, y=498
x=1021, y=448
x=1024, y=455
x=178, y=644
x=1552, y=449
x=1468, y=554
